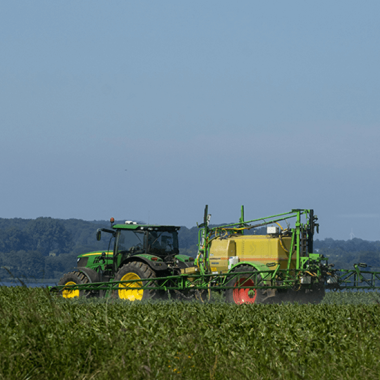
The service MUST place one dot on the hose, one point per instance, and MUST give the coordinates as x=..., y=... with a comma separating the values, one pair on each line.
x=279, y=226
x=282, y=245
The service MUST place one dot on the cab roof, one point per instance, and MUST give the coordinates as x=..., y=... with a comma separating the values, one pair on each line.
x=145, y=227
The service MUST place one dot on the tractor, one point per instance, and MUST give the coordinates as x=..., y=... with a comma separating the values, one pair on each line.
x=140, y=251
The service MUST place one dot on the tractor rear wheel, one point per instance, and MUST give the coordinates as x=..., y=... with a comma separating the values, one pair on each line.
x=73, y=278
x=240, y=296
x=135, y=270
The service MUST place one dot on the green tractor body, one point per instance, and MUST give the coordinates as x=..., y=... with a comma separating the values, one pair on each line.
x=139, y=251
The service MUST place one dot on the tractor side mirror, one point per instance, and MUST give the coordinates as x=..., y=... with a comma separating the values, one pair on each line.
x=103, y=257
x=98, y=235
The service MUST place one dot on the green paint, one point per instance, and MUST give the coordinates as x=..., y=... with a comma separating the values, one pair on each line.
x=184, y=258
x=149, y=257
x=143, y=227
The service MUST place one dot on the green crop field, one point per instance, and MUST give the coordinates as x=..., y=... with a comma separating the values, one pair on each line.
x=43, y=337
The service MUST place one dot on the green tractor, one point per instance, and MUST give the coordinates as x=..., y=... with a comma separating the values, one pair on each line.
x=140, y=251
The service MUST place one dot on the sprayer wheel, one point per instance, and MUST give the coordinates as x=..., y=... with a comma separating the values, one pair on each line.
x=73, y=278
x=240, y=296
x=135, y=270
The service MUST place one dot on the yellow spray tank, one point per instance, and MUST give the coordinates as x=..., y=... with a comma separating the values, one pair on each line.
x=257, y=250
x=223, y=247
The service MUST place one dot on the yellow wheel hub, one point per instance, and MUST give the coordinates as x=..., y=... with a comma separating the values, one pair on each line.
x=127, y=291
x=68, y=293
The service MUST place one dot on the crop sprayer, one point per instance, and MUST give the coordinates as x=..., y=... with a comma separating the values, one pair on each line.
x=280, y=265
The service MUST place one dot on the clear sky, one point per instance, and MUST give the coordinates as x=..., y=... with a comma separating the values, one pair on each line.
x=148, y=110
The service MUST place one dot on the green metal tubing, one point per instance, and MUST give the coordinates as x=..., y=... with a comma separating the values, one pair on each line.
x=291, y=249
x=274, y=274
x=242, y=218
x=290, y=215
x=352, y=279
x=298, y=237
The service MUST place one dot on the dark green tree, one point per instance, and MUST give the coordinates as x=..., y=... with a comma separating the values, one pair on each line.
x=49, y=235
x=13, y=239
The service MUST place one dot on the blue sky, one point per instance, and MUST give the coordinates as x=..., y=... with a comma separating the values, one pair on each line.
x=149, y=110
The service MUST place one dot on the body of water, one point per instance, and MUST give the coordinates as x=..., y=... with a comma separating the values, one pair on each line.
x=28, y=284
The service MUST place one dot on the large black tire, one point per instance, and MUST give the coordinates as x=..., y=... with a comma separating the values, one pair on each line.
x=134, y=271
x=73, y=278
x=241, y=296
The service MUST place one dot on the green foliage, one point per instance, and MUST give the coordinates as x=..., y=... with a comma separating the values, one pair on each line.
x=43, y=337
x=21, y=262
x=352, y=245
x=351, y=298
x=13, y=239
x=43, y=234
x=25, y=246
x=49, y=235
x=346, y=253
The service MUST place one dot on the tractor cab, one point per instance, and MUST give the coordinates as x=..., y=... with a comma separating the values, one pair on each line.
x=132, y=238
x=156, y=245
x=159, y=241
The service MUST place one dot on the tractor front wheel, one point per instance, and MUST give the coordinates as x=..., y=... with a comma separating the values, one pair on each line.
x=240, y=295
x=135, y=271
x=73, y=278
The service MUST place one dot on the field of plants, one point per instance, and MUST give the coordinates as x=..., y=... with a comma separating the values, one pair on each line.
x=44, y=337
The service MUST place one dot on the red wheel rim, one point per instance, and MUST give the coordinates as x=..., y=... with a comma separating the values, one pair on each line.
x=241, y=295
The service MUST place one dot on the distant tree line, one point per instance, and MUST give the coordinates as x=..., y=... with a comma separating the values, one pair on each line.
x=346, y=253
x=46, y=248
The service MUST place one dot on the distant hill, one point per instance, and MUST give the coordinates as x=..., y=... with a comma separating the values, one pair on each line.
x=345, y=253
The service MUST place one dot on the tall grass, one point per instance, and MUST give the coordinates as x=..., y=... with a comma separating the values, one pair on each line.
x=44, y=337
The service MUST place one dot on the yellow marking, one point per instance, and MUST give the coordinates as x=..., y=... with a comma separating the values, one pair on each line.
x=96, y=253
x=126, y=291
x=67, y=293
x=251, y=259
